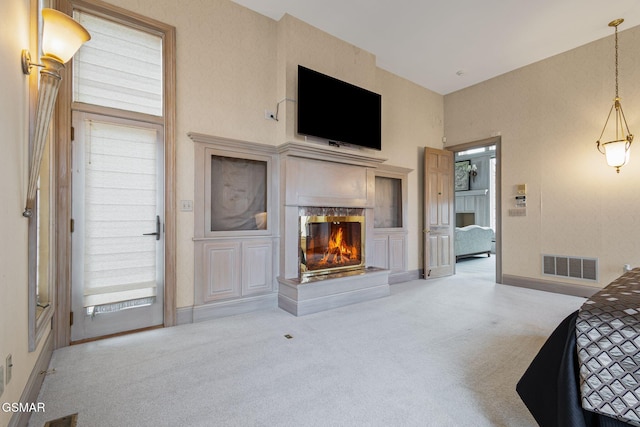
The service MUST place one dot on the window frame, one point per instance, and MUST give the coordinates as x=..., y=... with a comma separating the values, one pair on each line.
x=40, y=322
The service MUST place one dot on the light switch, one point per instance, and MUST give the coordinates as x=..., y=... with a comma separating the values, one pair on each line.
x=186, y=205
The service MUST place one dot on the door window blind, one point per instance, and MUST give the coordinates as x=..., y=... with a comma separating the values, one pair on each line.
x=120, y=205
x=120, y=67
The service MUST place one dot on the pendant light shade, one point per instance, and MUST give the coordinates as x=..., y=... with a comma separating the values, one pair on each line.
x=617, y=150
x=617, y=153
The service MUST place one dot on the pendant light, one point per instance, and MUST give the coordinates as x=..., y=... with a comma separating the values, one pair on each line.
x=616, y=150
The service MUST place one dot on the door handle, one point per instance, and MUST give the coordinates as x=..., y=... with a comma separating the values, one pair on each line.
x=157, y=233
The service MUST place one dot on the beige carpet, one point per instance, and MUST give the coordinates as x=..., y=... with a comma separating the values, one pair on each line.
x=443, y=352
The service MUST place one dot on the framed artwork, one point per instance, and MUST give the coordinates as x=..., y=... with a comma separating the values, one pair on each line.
x=462, y=175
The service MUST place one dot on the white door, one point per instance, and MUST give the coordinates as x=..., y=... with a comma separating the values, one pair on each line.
x=117, y=273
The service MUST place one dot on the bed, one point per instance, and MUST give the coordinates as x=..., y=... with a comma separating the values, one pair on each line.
x=588, y=371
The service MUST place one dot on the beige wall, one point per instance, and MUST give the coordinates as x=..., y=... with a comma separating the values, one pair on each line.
x=14, y=36
x=412, y=120
x=233, y=63
x=550, y=114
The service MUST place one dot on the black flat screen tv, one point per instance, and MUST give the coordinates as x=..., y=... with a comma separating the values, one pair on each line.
x=338, y=111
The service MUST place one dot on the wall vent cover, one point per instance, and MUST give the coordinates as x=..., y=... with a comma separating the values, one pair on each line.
x=568, y=266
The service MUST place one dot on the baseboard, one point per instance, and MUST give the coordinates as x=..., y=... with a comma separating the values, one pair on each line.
x=32, y=389
x=549, y=286
x=184, y=315
x=404, y=276
x=215, y=310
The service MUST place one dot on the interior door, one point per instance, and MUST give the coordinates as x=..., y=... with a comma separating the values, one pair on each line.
x=117, y=257
x=439, y=259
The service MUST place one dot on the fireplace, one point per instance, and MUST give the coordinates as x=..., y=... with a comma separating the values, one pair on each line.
x=331, y=240
x=327, y=201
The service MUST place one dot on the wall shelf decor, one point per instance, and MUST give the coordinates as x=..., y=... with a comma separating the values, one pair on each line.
x=462, y=175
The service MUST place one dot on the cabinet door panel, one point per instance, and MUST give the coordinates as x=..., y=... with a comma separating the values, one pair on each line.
x=257, y=267
x=222, y=264
x=397, y=254
x=380, y=253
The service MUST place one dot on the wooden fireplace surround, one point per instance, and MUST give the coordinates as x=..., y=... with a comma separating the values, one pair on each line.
x=241, y=271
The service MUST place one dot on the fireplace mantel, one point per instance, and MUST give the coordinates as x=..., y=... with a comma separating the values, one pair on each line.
x=329, y=153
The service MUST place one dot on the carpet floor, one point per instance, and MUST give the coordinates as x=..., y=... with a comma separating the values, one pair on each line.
x=442, y=352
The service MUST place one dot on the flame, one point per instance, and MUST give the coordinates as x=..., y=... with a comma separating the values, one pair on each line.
x=341, y=248
x=339, y=251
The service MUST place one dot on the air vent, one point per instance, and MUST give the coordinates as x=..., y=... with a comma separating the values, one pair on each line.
x=573, y=267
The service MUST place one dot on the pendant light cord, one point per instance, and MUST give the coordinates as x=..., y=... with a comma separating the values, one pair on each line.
x=616, y=38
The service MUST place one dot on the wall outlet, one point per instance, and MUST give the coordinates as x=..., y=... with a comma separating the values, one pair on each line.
x=9, y=368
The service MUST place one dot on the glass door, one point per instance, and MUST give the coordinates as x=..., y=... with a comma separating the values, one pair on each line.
x=117, y=274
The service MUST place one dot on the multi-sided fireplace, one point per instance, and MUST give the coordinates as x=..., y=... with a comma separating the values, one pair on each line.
x=331, y=240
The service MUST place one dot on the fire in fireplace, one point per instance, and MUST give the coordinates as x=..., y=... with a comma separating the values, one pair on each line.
x=331, y=240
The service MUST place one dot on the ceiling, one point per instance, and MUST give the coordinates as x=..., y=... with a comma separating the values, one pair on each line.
x=449, y=45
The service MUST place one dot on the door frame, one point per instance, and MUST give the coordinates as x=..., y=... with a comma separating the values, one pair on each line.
x=497, y=141
x=61, y=323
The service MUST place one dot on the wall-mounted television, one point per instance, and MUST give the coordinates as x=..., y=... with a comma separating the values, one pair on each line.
x=338, y=111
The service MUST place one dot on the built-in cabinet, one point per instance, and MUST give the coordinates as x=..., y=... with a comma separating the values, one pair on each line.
x=247, y=203
x=390, y=232
x=236, y=222
x=474, y=202
x=235, y=269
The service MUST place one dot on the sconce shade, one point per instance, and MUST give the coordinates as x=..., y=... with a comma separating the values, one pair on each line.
x=61, y=35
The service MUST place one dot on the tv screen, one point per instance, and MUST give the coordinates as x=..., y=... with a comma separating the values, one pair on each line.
x=335, y=110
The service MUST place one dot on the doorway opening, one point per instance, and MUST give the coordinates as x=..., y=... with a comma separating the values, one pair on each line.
x=477, y=184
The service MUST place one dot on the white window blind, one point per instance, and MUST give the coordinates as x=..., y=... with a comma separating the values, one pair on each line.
x=120, y=205
x=120, y=67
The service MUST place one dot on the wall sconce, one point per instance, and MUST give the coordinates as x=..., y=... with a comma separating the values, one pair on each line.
x=473, y=171
x=617, y=151
x=61, y=38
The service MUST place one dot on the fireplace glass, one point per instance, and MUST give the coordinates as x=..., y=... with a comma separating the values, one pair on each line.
x=331, y=243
